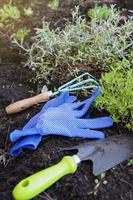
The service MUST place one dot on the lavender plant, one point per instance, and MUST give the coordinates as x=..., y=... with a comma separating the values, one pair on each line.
x=101, y=42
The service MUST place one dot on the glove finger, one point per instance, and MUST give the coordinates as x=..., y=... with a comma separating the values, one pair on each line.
x=95, y=123
x=30, y=142
x=87, y=133
x=17, y=134
x=65, y=98
x=70, y=99
x=82, y=133
x=89, y=101
x=78, y=104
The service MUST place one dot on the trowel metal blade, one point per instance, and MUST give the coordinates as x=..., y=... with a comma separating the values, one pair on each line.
x=107, y=153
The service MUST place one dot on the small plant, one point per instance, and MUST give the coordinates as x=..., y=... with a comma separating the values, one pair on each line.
x=9, y=13
x=20, y=36
x=54, y=4
x=130, y=162
x=117, y=93
x=28, y=12
x=3, y=158
x=99, y=13
x=98, y=183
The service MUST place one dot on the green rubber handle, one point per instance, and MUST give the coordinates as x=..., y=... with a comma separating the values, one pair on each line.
x=40, y=181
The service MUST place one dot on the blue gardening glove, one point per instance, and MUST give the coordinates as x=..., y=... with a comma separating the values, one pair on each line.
x=66, y=120
x=32, y=141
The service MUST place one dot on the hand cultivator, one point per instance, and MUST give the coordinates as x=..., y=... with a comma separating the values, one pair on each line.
x=82, y=82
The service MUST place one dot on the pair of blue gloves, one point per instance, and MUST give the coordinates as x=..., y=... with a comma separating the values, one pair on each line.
x=60, y=116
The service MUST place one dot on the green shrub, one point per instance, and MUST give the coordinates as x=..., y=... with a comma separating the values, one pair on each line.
x=117, y=93
x=97, y=43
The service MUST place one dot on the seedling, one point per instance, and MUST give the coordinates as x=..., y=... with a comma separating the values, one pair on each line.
x=9, y=13
x=54, y=4
x=20, y=35
x=98, y=182
x=28, y=11
x=3, y=159
x=130, y=162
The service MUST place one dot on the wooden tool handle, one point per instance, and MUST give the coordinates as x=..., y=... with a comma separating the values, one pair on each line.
x=26, y=103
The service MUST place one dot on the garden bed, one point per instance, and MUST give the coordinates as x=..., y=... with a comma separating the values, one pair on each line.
x=15, y=85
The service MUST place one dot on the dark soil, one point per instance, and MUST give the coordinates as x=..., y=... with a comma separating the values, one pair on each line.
x=15, y=85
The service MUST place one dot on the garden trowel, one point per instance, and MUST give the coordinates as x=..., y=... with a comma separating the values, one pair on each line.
x=104, y=154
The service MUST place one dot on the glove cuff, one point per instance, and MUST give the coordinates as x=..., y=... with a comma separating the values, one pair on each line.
x=17, y=134
x=30, y=142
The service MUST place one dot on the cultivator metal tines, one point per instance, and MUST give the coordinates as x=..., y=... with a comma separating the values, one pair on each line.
x=82, y=82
